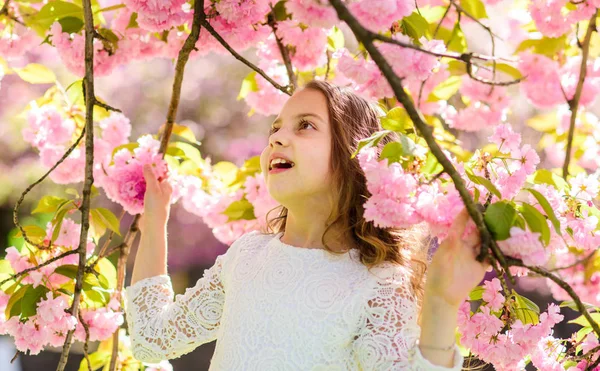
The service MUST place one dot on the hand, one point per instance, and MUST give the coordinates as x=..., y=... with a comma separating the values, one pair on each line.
x=454, y=271
x=157, y=201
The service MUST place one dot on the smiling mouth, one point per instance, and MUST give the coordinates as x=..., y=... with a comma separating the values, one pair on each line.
x=275, y=170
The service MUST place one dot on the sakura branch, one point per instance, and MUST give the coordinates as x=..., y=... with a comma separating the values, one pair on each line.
x=574, y=103
x=90, y=99
x=22, y=198
x=182, y=59
x=48, y=262
x=5, y=12
x=488, y=243
x=464, y=57
x=285, y=54
x=285, y=89
x=367, y=37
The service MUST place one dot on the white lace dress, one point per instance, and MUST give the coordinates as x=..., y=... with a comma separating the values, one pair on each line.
x=273, y=306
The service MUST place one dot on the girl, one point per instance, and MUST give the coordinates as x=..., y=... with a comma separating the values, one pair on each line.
x=325, y=289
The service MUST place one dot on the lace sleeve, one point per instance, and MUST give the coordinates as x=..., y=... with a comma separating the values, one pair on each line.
x=389, y=330
x=161, y=328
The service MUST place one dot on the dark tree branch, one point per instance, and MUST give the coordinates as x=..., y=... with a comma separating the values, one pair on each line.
x=563, y=285
x=88, y=82
x=182, y=59
x=367, y=37
x=574, y=103
x=285, y=53
x=286, y=89
x=49, y=261
x=22, y=198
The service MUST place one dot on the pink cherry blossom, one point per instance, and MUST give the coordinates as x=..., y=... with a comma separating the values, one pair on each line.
x=524, y=245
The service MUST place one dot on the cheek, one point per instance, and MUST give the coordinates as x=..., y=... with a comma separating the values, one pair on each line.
x=263, y=161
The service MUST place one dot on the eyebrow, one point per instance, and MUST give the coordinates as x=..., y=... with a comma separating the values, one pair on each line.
x=300, y=115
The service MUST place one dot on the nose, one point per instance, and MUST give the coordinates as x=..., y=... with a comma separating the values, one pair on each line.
x=280, y=137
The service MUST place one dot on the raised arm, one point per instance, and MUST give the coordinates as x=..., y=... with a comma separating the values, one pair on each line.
x=389, y=331
x=161, y=328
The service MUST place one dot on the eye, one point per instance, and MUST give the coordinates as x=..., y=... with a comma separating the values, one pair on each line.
x=272, y=130
x=304, y=123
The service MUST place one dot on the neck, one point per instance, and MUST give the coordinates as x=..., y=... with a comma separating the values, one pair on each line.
x=306, y=229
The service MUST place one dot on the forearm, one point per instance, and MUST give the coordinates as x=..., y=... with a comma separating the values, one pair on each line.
x=151, y=257
x=438, y=325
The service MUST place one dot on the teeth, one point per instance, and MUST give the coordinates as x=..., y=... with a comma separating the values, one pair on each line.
x=280, y=161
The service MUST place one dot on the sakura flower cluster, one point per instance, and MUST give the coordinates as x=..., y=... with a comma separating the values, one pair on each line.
x=50, y=324
x=211, y=206
x=482, y=332
x=68, y=239
x=399, y=200
x=124, y=182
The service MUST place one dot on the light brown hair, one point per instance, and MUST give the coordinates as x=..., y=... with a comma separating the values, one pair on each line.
x=353, y=118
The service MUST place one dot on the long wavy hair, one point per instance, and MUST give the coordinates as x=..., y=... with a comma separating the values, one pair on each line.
x=353, y=118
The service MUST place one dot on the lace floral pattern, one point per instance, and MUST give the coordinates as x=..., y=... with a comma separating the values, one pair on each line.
x=273, y=306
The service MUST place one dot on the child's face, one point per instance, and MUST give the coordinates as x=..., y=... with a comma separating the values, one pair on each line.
x=302, y=134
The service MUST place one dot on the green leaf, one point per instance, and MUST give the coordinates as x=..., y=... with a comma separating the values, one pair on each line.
x=499, y=218
x=571, y=304
x=396, y=120
x=35, y=73
x=71, y=24
x=52, y=12
x=526, y=310
x=544, y=176
x=239, y=210
x=547, y=46
x=520, y=222
x=108, y=273
x=280, y=12
x=108, y=218
x=129, y=146
x=457, y=40
x=415, y=26
x=31, y=298
x=48, y=204
x=547, y=208
x=446, y=89
x=185, y=132
x=69, y=270
x=536, y=221
x=484, y=182
x=432, y=14
x=409, y=147
x=34, y=233
x=190, y=152
x=432, y=165
x=248, y=85
x=474, y=8
x=59, y=217
x=477, y=293
x=97, y=360
x=335, y=40
x=133, y=21
x=371, y=141
x=392, y=151
x=13, y=307
x=582, y=321
x=227, y=171
x=108, y=35
x=509, y=70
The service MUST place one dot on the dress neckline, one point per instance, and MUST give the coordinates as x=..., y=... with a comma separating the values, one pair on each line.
x=314, y=250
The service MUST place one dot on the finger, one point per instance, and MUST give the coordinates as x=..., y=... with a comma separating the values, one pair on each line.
x=166, y=187
x=459, y=224
x=151, y=182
